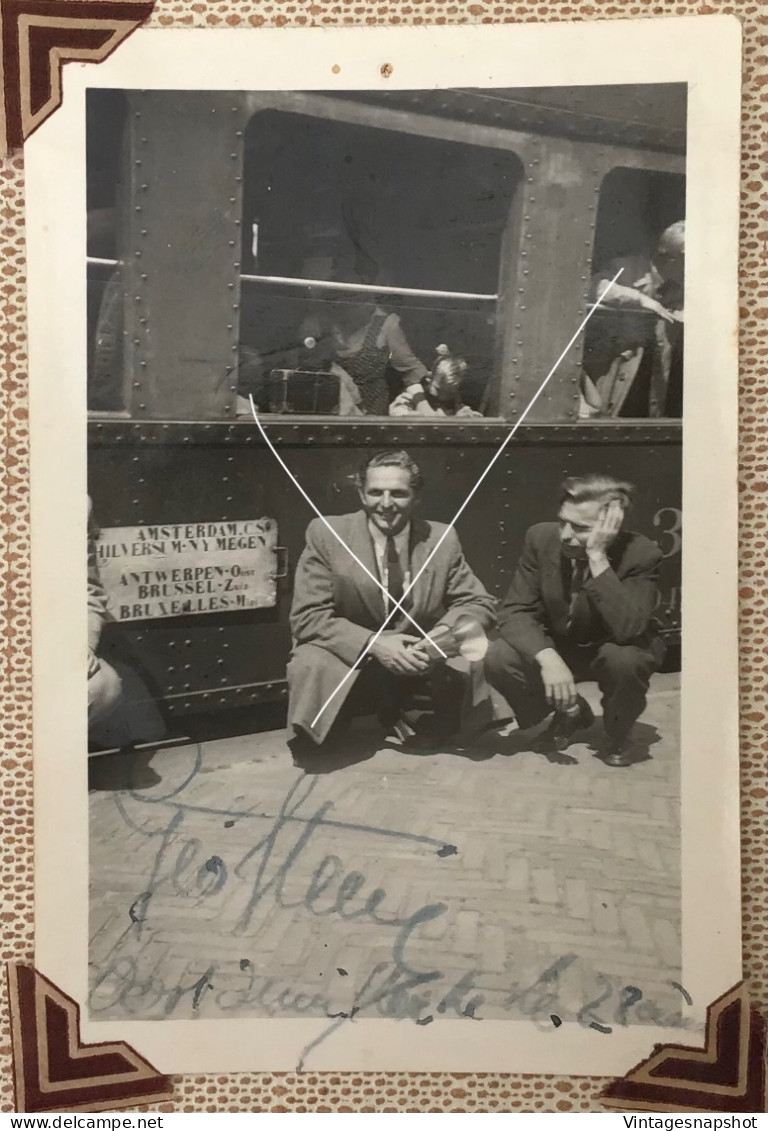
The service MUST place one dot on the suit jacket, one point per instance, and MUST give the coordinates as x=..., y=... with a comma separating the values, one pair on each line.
x=97, y=598
x=337, y=608
x=617, y=606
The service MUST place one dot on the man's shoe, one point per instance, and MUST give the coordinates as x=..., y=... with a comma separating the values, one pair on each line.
x=561, y=730
x=427, y=740
x=398, y=730
x=304, y=750
x=618, y=752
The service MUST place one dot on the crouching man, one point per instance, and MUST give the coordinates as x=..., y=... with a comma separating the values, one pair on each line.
x=582, y=599
x=337, y=608
x=104, y=684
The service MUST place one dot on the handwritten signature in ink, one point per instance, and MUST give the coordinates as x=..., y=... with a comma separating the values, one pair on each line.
x=261, y=878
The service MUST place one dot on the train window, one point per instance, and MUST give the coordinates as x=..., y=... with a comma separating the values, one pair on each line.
x=633, y=350
x=364, y=251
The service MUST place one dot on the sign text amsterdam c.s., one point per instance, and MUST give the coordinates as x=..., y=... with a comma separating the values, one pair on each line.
x=182, y=568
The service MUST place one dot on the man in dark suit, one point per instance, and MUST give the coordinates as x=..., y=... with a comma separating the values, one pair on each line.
x=582, y=598
x=337, y=608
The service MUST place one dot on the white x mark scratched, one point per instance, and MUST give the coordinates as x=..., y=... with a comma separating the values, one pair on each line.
x=398, y=604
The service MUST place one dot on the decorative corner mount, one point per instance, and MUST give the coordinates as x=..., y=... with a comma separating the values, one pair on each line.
x=37, y=37
x=54, y=1071
x=727, y=1075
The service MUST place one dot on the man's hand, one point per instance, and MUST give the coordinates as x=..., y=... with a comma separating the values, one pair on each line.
x=559, y=684
x=656, y=308
x=602, y=535
x=427, y=651
x=627, y=297
x=395, y=651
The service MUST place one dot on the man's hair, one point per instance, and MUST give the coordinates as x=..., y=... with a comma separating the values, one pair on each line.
x=391, y=459
x=672, y=239
x=597, y=489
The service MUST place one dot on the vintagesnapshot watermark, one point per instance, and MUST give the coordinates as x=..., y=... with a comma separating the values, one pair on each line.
x=686, y=1122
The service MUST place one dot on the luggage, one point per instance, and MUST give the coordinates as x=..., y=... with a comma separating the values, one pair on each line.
x=303, y=391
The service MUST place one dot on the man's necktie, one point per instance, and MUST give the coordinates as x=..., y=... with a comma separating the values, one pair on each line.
x=578, y=577
x=395, y=574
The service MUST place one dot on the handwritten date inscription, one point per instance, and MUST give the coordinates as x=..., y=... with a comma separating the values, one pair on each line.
x=301, y=919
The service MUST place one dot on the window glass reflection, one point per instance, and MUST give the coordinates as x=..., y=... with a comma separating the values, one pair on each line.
x=633, y=349
x=366, y=291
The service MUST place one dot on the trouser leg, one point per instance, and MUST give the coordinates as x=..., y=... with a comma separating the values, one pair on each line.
x=623, y=673
x=388, y=695
x=446, y=688
x=519, y=681
x=104, y=691
x=376, y=692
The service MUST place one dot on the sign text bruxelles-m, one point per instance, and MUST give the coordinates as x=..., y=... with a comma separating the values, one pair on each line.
x=183, y=568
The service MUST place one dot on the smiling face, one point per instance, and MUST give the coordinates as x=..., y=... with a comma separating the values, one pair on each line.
x=388, y=498
x=575, y=522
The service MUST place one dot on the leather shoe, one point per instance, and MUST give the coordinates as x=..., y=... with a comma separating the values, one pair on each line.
x=428, y=739
x=561, y=730
x=618, y=754
x=398, y=730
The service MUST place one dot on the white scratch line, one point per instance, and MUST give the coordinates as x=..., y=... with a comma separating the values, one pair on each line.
x=397, y=605
x=463, y=506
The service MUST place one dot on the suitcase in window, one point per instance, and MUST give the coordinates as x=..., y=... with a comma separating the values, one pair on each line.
x=303, y=391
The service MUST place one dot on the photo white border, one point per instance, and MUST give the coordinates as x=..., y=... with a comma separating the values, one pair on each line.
x=702, y=51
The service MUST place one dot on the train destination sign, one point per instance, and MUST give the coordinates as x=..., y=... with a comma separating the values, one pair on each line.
x=180, y=569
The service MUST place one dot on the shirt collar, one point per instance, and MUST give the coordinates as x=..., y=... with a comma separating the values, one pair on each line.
x=380, y=540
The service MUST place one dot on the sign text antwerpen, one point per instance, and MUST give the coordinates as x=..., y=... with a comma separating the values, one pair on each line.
x=182, y=568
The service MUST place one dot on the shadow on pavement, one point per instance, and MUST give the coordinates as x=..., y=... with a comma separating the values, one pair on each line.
x=491, y=743
x=345, y=751
x=644, y=736
x=123, y=769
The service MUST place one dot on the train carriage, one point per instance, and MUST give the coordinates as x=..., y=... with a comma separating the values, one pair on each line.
x=218, y=222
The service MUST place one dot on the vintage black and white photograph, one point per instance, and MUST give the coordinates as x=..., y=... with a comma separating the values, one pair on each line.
x=385, y=393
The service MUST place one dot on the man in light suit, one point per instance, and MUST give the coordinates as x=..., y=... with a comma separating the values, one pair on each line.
x=582, y=598
x=337, y=608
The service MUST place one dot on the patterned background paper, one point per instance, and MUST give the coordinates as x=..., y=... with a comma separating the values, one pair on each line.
x=417, y=1092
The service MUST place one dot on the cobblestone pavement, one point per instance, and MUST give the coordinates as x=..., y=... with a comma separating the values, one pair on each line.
x=491, y=883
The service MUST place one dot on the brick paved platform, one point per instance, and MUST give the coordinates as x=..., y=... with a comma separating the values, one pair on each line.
x=489, y=882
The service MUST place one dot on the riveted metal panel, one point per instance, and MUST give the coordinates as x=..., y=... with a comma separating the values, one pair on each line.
x=141, y=473
x=226, y=698
x=514, y=263
x=429, y=121
x=550, y=281
x=180, y=252
x=648, y=117
x=394, y=433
